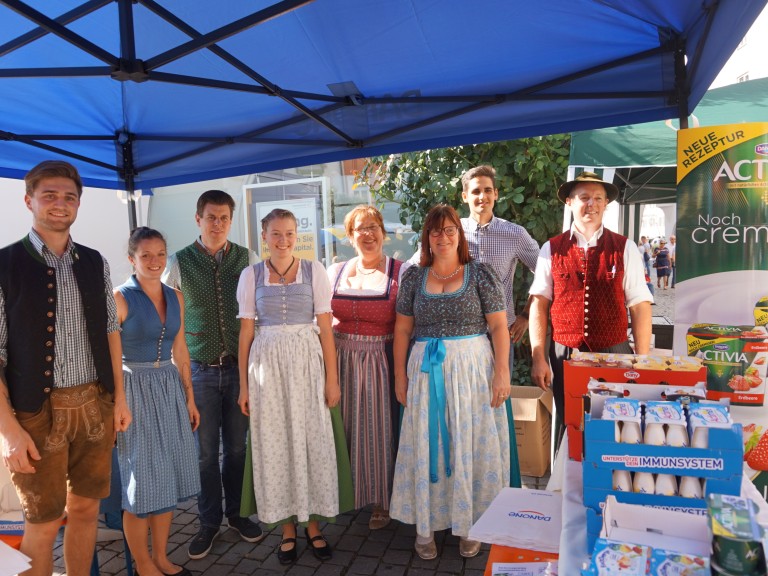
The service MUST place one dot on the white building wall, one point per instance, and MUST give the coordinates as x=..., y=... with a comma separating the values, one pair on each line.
x=748, y=61
x=102, y=223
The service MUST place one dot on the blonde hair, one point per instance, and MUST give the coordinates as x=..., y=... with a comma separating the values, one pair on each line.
x=277, y=214
x=363, y=210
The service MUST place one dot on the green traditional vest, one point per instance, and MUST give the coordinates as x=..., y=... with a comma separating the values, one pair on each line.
x=210, y=300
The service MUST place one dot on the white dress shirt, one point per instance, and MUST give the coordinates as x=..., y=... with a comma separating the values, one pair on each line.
x=635, y=288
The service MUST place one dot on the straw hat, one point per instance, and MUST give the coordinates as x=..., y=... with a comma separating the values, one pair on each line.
x=565, y=190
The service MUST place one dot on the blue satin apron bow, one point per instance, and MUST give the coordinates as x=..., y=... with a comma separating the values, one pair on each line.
x=432, y=363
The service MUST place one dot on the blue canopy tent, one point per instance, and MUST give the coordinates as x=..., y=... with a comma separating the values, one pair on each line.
x=144, y=93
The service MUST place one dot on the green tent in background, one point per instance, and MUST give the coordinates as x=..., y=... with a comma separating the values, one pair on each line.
x=643, y=155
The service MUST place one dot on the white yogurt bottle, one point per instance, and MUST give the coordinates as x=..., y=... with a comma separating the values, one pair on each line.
x=690, y=487
x=622, y=481
x=643, y=483
x=654, y=434
x=677, y=435
x=666, y=485
x=700, y=437
x=617, y=431
x=630, y=433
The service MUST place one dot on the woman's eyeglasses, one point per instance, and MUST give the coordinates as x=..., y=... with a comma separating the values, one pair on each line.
x=367, y=229
x=449, y=231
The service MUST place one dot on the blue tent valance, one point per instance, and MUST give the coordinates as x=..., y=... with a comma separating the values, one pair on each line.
x=144, y=93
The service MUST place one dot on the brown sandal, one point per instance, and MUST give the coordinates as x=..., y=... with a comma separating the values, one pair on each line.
x=379, y=518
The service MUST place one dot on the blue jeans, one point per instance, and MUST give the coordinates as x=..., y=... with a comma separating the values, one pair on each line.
x=216, y=392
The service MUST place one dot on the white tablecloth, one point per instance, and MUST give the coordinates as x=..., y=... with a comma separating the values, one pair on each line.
x=567, y=477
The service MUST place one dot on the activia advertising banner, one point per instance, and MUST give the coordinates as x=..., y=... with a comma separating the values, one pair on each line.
x=721, y=300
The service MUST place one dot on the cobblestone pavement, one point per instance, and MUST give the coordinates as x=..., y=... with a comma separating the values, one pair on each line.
x=665, y=303
x=357, y=550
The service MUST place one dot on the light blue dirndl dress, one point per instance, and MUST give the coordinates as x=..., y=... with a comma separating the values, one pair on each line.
x=454, y=455
x=157, y=454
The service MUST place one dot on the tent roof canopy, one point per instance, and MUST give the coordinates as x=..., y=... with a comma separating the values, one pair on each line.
x=645, y=155
x=144, y=93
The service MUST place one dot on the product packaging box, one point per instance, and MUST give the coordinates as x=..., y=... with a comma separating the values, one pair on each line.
x=532, y=408
x=623, y=368
x=12, y=523
x=723, y=457
x=736, y=358
x=716, y=469
x=667, y=529
x=11, y=516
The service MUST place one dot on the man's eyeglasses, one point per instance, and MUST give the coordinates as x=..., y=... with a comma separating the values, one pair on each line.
x=449, y=231
x=367, y=230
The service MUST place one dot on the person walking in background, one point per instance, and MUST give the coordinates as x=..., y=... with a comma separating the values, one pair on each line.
x=454, y=453
x=206, y=272
x=645, y=250
x=364, y=295
x=662, y=264
x=157, y=455
x=672, y=258
x=61, y=383
x=288, y=386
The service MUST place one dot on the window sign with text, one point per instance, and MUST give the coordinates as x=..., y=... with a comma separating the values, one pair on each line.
x=306, y=226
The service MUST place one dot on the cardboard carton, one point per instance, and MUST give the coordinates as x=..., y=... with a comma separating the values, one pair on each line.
x=668, y=529
x=532, y=408
x=719, y=466
x=736, y=358
x=577, y=378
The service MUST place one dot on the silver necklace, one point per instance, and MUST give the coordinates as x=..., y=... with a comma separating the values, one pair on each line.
x=451, y=275
x=282, y=276
x=367, y=271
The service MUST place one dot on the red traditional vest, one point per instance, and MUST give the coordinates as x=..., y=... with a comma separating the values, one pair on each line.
x=588, y=300
x=366, y=315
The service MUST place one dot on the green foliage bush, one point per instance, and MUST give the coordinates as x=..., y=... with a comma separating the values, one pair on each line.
x=528, y=173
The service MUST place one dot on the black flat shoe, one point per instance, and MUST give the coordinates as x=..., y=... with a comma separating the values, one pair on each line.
x=287, y=556
x=182, y=572
x=320, y=552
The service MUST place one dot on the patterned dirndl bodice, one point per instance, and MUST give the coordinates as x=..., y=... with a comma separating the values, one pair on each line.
x=284, y=304
x=366, y=315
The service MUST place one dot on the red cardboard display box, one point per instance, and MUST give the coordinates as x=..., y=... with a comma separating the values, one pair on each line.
x=509, y=555
x=577, y=377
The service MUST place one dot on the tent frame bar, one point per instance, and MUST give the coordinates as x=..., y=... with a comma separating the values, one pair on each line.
x=62, y=32
x=268, y=87
x=64, y=19
x=127, y=67
x=224, y=32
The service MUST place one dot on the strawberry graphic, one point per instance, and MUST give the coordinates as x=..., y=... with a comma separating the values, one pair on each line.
x=752, y=434
x=758, y=456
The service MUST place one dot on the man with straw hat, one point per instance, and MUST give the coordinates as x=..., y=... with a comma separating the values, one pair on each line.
x=586, y=279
